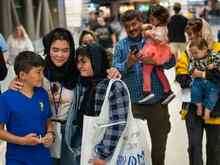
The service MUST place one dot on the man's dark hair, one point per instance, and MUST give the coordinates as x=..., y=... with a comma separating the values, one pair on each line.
x=177, y=7
x=26, y=60
x=130, y=15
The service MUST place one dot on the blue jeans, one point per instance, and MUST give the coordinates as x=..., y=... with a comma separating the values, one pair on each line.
x=70, y=150
x=205, y=92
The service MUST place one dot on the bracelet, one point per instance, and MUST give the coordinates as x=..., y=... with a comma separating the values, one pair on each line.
x=54, y=135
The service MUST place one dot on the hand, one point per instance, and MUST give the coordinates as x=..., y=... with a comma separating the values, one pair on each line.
x=148, y=34
x=132, y=59
x=15, y=85
x=31, y=139
x=99, y=162
x=48, y=139
x=211, y=66
x=197, y=73
x=113, y=73
x=147, y=27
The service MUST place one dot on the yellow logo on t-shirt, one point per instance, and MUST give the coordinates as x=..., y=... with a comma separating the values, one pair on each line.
x=41, y=105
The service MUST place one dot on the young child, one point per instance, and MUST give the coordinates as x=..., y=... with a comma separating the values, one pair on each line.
x=203, y=92
x=26, y=114
x=157, y=50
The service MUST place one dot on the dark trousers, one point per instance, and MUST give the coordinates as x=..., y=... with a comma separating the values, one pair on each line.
x=157, y=117
x=195, y=129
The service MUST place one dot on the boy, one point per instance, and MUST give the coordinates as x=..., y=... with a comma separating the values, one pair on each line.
x=26, y=114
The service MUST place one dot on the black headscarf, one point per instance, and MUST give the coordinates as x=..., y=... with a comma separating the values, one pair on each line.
x=100, y=64
x=68, y=73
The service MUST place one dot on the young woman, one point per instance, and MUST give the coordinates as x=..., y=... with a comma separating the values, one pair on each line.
x=195, y=124
x=18, y=41
x=60, y=77
x=87, y=37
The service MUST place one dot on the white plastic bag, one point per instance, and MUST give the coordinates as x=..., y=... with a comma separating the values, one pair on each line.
x=132, y=147
x=55, y=148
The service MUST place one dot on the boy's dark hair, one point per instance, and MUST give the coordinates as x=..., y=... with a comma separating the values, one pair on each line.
x=177, y=7
x=26, y=60
x=200, y=44
x=130, y=15
x=159, y=12
x=194, y=24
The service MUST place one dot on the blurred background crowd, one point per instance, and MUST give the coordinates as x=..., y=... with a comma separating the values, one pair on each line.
x=38, y=17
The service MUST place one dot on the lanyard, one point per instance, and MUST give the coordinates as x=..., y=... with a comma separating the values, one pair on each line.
x=56, y=104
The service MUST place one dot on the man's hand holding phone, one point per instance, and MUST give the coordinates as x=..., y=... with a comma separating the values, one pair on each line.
x=133, y=55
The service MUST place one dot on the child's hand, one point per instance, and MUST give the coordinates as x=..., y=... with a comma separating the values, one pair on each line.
x=197, y=73
x=146, y=27
x=31, y=139
x=211, y=66
x=148, y=34
x=48, y=139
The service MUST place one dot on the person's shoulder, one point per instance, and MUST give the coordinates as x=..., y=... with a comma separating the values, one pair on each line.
x=216, y=47
x=40, y=91
x=122, y=42
x=8, y=94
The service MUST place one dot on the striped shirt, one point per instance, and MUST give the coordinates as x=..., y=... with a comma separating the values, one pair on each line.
x=202, y=64
x=118, y=111
x=133, y=76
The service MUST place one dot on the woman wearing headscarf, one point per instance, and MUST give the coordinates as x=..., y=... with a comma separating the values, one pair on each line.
x=61, y=75
x=18, y=41
x=92, y=64
x=196, y=125
x=60, y=78
x=87, y=37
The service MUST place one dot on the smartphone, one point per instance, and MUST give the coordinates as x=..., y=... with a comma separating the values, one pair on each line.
x=134, y=49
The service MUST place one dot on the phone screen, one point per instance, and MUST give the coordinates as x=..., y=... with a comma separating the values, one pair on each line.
x=134, y=49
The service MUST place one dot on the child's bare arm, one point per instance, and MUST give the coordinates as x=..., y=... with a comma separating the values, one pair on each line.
x=49, y=138
x=30, y=139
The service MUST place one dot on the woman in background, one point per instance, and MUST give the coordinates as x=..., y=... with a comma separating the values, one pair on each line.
x=18, y=42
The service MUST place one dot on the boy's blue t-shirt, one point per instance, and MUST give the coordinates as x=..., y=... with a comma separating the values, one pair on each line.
x=22, y=116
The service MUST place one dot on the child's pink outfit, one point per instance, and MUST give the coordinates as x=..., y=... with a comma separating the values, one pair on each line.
x=160, y=53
